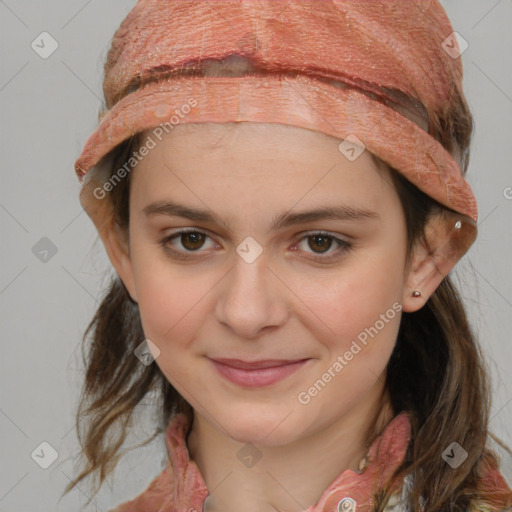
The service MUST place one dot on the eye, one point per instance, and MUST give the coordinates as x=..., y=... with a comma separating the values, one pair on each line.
x=320, y=243
x=190, y=241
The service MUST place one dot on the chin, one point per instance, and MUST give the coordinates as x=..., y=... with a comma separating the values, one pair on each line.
x=263, y=425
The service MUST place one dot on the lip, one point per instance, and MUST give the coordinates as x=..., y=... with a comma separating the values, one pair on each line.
x=257, y=373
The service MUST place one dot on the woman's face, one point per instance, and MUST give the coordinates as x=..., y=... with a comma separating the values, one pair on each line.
x=308, y=323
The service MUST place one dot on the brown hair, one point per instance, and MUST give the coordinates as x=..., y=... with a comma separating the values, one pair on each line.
x=436, y=371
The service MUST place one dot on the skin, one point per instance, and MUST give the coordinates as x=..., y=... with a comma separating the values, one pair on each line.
x=283, y=305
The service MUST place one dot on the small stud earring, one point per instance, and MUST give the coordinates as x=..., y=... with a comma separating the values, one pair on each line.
x=416, y=293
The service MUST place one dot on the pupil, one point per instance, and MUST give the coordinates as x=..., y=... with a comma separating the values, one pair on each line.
x=195, y=240
x=322, y=241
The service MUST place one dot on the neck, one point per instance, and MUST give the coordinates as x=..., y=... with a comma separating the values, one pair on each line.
x=289, y=477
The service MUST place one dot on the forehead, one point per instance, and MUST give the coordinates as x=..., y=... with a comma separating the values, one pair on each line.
x=265, y=161
x=226, y=137
x=261, y=141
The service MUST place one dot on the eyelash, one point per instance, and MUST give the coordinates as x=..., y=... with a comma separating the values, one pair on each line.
x=344, y=245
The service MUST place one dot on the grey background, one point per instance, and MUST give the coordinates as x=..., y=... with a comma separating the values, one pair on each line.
x=48, y=109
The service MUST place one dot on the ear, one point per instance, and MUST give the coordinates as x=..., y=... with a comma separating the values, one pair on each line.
x=113, y=238
x=448, y=236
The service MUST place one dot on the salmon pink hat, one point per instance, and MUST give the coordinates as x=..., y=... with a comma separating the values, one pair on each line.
x=375, y=74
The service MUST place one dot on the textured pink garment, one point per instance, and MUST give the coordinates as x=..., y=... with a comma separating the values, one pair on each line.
x=345, y=68
x=181, y=488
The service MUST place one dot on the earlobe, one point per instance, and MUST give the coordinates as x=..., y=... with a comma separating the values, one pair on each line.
x=114, y=240
x=448, y=237
x=424, y=278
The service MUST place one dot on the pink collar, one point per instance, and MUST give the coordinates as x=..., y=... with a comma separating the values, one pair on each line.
x=180, y=486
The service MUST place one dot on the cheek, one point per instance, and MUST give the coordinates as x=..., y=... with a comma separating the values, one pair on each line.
x=359, y=311
x=171, y=301
x=362, y=311
x=363, y=296
x=172, y=311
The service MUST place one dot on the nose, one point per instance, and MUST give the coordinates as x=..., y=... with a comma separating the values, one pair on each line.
x=252, y=299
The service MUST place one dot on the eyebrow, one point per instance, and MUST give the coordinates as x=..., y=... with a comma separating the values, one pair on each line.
x=283, y=220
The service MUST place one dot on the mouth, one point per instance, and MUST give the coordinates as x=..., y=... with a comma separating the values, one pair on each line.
x=257, y=373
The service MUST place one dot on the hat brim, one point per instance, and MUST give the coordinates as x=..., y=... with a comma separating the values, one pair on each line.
x=301, y=102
